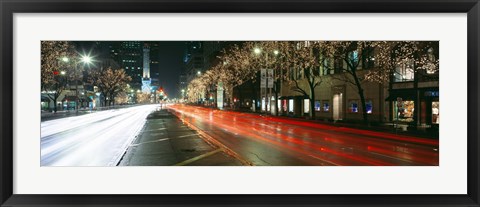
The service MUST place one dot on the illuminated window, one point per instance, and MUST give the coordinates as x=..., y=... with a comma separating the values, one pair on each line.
x=353, y=106
x=263, y=103
x=353, y=56
x=317, y=106
x=290, y=105
x=430, y=66
x=369, y=106
x=306, y=105
x=326, y=106
x=435, y=112
x=404, y=71
x=404, y=110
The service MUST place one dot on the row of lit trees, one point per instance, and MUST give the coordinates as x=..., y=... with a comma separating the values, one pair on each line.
x=303, y=65
x=62, y=65
x=111, y=83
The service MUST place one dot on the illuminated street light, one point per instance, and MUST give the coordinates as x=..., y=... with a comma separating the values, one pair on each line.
x=199, y=73
x=275, y=52
x=86, y=59
x=65, y=59
x=257, y=51
x=63, y=73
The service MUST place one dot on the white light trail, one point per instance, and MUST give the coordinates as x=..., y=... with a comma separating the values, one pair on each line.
x=97, y=139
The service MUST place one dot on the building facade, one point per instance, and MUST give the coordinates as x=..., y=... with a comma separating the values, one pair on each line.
x=410, y=97
x=129, y=54
x=414, y=95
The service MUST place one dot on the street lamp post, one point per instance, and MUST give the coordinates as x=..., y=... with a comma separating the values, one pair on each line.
x=267, y=89
x=85, y=59
x=265, y=93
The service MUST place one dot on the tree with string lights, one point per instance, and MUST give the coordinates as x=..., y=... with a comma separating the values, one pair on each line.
x=305, y=65
x=420, y=58
x=110, y=83
x=56, y=70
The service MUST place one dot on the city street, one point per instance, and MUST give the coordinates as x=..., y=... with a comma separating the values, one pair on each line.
x=281, y=141
x=100, y=139
x=97, y=139
x=182, y=97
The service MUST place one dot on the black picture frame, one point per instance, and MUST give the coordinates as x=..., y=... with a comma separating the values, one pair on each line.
x=10, y=7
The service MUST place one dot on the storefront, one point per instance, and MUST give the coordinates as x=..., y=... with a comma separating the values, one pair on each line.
x=292, y=105
x=69, y=103
x=420, y=107
x=431, y=103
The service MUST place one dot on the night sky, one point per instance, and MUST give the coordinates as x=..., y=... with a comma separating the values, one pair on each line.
x=171, y=54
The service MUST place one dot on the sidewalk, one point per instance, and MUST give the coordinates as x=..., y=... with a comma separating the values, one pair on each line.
x=46, y=116
x=166, y=141
x=380, y=127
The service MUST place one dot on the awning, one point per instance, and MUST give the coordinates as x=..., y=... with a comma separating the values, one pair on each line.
x=404, y=94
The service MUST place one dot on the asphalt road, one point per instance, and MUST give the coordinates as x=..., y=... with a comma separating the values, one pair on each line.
x=166, y=141
x=277, y=141
x=97, y=139
x=100, y=139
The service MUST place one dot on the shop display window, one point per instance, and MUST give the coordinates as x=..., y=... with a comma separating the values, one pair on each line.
x=404, y=111
x=435, y=112
x=290, y=105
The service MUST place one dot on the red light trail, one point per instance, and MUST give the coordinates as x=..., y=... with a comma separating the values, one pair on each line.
x=286, y=141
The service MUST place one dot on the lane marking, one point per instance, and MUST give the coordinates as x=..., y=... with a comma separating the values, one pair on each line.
x=153, y=141
x=188, y=135
x=208, y=154
x=152, y=130
x=163, y=139
x=329, y=162
x=212, y=141
x=395, y=158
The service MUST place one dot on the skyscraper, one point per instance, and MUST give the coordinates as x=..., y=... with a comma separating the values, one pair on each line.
x=129, y=55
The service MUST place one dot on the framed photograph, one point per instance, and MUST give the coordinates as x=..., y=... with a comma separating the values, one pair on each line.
x=237, y=103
